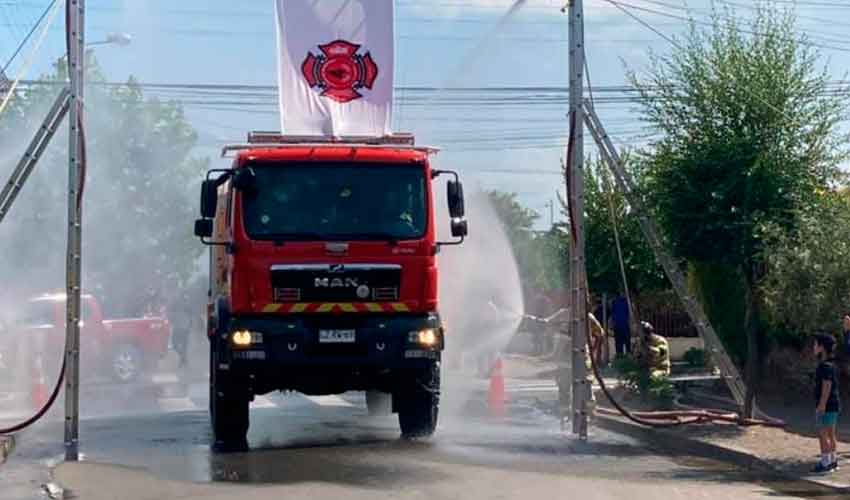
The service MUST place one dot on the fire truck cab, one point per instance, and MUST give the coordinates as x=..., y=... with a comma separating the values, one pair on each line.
x=323, y=275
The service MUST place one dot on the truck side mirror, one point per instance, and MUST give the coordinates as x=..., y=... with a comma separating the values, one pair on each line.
x=209, y=198
x=454, y=194
x=460, y=228
x=204, y=228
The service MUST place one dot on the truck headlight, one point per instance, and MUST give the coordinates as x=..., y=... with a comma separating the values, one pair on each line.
x=428, y=337
x=242, y=339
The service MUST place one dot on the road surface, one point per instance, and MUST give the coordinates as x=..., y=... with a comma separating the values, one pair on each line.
x=150, y=441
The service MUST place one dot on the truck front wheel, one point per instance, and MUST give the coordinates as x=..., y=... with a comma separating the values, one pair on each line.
x=126, y=363
x=418, y=400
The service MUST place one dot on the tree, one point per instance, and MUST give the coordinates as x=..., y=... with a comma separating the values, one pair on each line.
x=141, y=186
x=606, y=209
x=807, y=283
x=541, y=256
x=749, y=136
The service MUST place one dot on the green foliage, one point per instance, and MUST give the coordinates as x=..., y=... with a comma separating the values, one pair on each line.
x=603, y=268
x=517, y=220
x=141, y=187
x=541, y=256
x=807, y=284
x=750, y=134
x=696, y=357
x=658, y=389
x=629, y=373
x=720, y=290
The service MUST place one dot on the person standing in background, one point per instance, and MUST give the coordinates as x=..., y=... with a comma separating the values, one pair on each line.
x=827, y=402
x=620, y=319
x=181, y=316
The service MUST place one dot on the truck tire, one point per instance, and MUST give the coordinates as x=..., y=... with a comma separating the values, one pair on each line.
x=379, y=403
x=126, y=363
x=418, y=400
x=228, y=411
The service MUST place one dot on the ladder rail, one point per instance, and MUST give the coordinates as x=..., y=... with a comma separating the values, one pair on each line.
x=33, y=152
x=611, y=157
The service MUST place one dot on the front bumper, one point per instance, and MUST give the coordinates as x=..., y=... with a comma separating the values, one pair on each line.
x=380, y=341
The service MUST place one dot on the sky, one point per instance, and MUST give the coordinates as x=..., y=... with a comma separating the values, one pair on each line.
x=509, y=140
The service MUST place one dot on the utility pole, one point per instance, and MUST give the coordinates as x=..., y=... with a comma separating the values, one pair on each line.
x=575, y=194
x=76, y=152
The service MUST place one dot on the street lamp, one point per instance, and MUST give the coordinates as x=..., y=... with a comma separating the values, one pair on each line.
x=120, y=39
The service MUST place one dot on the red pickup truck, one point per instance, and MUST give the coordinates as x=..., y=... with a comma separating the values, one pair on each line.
x=119, y=348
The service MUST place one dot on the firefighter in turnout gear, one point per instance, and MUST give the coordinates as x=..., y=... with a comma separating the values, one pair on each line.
x=658, y=351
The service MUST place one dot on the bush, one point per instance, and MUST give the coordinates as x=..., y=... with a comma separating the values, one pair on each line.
x=629, y=373
x=696, y=357
x=655, y=388
x=661, y=390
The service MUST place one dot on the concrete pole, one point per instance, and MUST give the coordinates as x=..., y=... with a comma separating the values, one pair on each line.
x=76, y=72
x=578, y=281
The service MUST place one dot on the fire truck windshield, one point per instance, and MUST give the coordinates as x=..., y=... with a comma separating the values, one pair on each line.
x=336, y=201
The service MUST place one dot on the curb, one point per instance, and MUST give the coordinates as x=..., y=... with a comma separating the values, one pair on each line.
x=687, y=446
x=7, y=445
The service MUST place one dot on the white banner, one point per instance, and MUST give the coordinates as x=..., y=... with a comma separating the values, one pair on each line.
x=335, y=66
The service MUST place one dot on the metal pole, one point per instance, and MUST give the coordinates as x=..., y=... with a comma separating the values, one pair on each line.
x=76, y=72
x=575, y=165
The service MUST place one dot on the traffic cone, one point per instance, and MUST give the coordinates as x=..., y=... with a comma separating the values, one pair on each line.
x=38, y=390
x=496, y=395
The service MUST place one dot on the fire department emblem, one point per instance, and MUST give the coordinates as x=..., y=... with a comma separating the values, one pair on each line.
x=339, y=71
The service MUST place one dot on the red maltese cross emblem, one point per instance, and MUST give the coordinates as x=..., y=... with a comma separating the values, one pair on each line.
x=339, y=71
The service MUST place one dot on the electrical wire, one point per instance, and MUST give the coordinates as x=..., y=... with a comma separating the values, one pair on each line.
x=27, y=37
x=29, y=61
x=623, y=5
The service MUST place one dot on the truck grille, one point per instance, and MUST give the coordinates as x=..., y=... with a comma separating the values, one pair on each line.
x=336, y=282
x=385, y=294
x=287, y=295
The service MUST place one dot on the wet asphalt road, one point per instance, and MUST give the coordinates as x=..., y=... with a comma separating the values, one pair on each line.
x=157, y=446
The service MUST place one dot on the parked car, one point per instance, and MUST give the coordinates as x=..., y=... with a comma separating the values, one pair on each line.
x=122, y=349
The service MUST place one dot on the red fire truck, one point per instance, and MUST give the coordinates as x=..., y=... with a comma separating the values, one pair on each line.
x=323, y=275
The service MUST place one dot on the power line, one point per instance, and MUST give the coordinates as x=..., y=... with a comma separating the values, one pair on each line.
x=622, y=5
x=27, y=37
x=688, y=9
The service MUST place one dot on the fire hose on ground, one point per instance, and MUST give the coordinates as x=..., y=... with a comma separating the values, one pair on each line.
x=675, y=418
x=657, y=419
x=44, y=408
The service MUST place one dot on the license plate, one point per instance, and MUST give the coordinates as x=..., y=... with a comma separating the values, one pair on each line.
x=337, y=336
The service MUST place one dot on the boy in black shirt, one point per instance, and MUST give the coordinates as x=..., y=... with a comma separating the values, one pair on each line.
x=828, y=404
